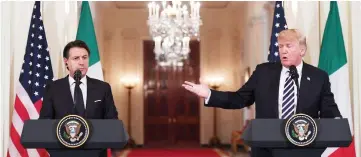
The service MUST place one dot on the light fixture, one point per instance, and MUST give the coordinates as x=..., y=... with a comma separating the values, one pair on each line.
x=214, y=82
x=172, y=25
x=130, y=82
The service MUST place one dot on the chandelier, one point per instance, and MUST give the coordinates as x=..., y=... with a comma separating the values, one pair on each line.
x=172, y=26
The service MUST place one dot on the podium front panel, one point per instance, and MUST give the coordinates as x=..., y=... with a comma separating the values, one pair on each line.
x=271, y=133
x=105, y=133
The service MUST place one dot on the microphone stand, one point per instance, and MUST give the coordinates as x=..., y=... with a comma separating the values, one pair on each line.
x=75, y=100
x=295, y=79
x=77, y=76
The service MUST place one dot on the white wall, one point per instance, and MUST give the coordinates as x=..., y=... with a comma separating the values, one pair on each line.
x=5, y=73
x=355, y=8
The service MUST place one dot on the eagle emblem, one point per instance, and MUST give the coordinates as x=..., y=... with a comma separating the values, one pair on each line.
x=72, y=131
x=301, y=130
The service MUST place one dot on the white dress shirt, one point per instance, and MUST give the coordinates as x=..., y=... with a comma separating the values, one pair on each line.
x=284, y=75
x=83, y=87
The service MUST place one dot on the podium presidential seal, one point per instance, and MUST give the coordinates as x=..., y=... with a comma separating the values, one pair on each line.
x=301, y=130
x=72, y=131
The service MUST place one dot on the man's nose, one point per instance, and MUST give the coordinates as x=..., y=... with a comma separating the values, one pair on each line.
x=81, y=61
x=283, y=50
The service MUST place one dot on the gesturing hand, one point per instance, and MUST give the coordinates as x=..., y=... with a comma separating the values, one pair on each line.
x=199, y=89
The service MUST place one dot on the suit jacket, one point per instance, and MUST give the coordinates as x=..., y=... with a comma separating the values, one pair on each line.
x=58, y=102
x=262, y=88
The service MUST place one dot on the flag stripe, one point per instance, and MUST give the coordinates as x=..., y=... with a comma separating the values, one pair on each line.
x=86, y=32
x=33, y=152
x=26, y=101
x=20, y=108
x=17, y=122
x=339, y=86
x=345, y=151
x=16, y=137
x=12, y=150
x=95, y=71
x=328, y=151
x=42, y=152
x=38, y=105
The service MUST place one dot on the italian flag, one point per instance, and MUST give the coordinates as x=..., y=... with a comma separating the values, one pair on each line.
x=333, y=60
x=86, y=33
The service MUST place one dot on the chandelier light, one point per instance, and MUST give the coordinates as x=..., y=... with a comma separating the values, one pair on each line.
x=172, y=25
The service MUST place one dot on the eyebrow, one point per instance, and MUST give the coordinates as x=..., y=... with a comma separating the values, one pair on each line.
x=81, y=56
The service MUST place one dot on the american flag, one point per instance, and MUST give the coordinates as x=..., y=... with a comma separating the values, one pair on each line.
x=35, y=73
x=279, y=24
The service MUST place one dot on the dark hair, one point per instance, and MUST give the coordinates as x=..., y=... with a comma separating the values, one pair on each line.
x=76, y=43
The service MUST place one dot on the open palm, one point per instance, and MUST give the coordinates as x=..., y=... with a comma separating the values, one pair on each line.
x=199, y=89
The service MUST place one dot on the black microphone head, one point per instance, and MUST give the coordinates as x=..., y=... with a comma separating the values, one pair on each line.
x=293, y=72
x=293, y=68
x=77, y=75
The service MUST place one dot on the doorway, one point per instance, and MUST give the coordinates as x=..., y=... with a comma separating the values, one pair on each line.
x=171, y=114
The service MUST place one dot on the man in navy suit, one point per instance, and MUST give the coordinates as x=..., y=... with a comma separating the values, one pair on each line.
x=274, y=91
x=95, y=100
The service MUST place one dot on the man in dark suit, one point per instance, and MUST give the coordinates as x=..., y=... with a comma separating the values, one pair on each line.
x=273, y=90
x=95, y=99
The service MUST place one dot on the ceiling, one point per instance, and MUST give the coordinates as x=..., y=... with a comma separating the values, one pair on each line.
x=144, y=4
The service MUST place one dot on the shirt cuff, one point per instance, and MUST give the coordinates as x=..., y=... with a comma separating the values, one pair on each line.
x=209, y=95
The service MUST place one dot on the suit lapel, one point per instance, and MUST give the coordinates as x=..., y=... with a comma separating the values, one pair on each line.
x=67, y=92
x=304, y=87
x=274, y=90
x=90, y=94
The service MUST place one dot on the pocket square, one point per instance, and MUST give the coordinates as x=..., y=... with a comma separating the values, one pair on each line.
x=97, y=100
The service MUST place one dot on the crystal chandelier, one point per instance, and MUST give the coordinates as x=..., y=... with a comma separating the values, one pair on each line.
x=172, y=26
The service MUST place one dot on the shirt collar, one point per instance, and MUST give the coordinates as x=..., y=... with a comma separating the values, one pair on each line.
x=298, y=67
x=82, y=80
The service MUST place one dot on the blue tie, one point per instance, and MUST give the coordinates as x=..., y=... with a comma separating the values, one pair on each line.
x=288, y=105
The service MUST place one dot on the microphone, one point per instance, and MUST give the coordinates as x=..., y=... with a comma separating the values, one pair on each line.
x=294, y=76
x=77, y=77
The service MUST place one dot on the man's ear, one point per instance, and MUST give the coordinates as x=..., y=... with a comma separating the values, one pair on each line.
x=303, y=51
x=66, y=63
